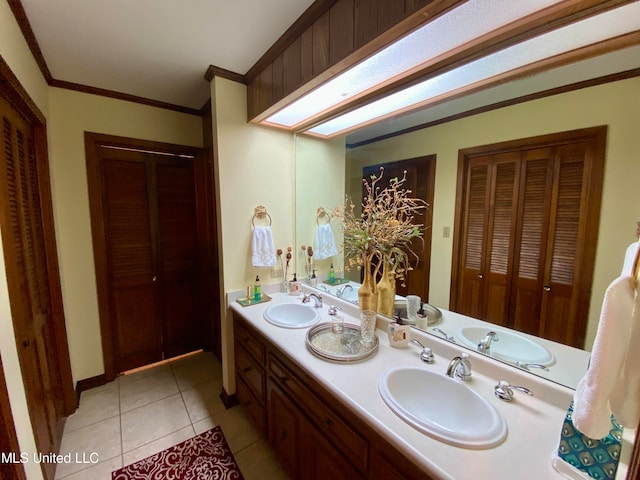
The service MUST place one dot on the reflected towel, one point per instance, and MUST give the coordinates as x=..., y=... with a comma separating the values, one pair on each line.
x=612, y=383
x=325, y=244
x=263, y=250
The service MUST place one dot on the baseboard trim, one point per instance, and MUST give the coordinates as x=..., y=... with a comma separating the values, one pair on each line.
x=88, y=384
x=228, y=400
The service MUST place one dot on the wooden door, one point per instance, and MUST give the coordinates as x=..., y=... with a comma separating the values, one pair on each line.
x=421, y=181
x=33, y=281
x=147, y=242
x=132, y=253
x=177, y=257
x=526, y=228
x=10, y=468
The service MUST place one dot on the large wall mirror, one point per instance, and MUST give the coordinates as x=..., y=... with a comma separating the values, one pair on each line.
x=326, y=170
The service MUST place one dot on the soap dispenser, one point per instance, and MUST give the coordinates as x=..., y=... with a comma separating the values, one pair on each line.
x=313, y=281
x=257, y=290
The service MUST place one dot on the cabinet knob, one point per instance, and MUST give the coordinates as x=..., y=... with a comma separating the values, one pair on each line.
x=546, y=288
x=480, y=276
x=328, y=423
x=26, y=343
x=154, y=278
x=246, y=369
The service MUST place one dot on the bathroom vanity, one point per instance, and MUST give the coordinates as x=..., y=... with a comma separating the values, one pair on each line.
x=328, y=420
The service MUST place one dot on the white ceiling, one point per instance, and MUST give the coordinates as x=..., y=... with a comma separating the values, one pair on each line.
x=161, y=49
x=157, y=49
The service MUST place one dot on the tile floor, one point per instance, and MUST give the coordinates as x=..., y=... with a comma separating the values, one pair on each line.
x=142, y=413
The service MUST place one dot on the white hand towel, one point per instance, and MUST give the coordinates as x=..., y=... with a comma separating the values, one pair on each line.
x=325, y=243
x=629, y=258
x=263, y=249
x=599, y=390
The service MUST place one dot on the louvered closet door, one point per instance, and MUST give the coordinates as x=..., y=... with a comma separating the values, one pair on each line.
x=178, y=255
x=131, y=254
x=497, y=262
x=27, y=274
x=531, y=239
x=474, y=234
x=563, y=316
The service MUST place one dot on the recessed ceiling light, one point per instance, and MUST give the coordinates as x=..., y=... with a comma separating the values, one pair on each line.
x=469, y=21
x=586, y=32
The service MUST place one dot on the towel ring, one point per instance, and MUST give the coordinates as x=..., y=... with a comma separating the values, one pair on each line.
x=322, y=213
x=260, y=212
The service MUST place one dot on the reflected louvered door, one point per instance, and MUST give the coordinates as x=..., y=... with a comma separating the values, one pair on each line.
x=531, y=239
x=477, y=194
x=528, y=217
x=497, y=262
x=563, y=315
x=131, y=254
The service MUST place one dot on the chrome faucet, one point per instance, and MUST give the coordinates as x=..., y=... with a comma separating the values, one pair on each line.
x=317, y=299
x=341, y=291
x=460, y=367
x=485, y=344
x=426, y=355
x=447, y=337
x=504, y=391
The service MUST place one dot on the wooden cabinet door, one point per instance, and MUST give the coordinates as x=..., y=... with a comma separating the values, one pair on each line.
x=284, y=429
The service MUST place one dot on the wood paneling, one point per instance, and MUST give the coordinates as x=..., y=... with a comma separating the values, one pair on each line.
x=330, y=33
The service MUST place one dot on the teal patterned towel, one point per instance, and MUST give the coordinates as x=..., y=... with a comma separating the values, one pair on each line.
x=597, y=458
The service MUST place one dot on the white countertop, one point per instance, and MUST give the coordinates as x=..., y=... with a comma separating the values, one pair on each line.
x=534, y=423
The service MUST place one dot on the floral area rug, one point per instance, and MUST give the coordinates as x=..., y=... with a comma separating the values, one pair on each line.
x=203, y=457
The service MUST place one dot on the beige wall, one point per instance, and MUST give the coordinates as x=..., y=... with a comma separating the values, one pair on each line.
x=616, y=105
x=319, y=183
x=16, y=54
x=71, y=114
x=255, y=166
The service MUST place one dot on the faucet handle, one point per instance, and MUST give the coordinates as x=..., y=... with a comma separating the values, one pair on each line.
x=504, y=391
x=426, y=355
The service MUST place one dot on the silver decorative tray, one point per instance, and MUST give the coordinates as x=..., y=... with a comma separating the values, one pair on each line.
x=434, y=314
x=342, y=347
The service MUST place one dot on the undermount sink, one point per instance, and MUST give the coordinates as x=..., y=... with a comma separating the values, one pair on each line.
x=442, y=407
x=511, y=347
x=291, y=315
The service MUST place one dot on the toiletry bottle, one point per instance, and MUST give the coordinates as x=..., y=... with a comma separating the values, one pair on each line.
x=294, y=286
x=332, y=274
x=313, y=281
x=257, y=290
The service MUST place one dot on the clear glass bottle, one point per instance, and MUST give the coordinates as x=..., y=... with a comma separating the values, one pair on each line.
x=337, y=320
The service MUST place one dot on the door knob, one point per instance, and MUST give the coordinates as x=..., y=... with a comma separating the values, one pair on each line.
x=154, y=278
x=480, y=276
x=546, y=288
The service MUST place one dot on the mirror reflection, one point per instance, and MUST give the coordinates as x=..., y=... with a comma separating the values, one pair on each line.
x=326, y=171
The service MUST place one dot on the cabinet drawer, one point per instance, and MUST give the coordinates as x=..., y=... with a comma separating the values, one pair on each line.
x=251, y=373
x=349, y=442
x=252, y=406
x=249, y=342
